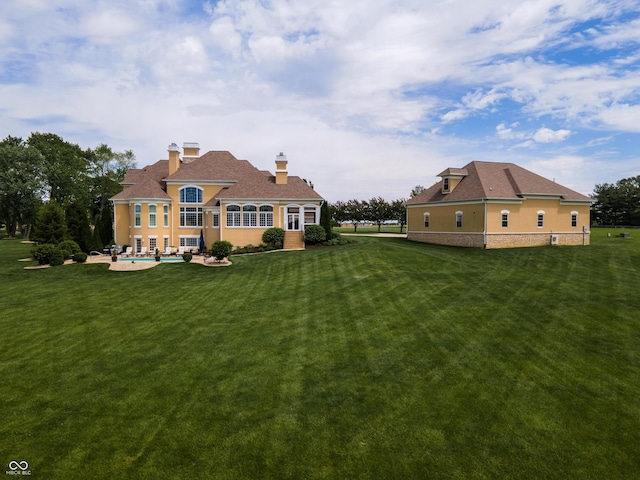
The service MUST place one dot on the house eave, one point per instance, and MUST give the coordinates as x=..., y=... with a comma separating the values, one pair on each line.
x=223, y=183
x=510, y=201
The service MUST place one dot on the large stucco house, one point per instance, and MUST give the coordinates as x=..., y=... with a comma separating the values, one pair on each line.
x=173, y=202
x=498, y=205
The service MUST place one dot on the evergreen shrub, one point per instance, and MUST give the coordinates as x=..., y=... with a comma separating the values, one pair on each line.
x=221, y=249
x=69, y=248
x=274, y=236
x=42, y=253
x=80, y=257
x=314, y=234
x=187, y=256
x=57, y=257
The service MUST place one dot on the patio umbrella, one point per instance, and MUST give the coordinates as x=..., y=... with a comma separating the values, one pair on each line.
x=201, y=241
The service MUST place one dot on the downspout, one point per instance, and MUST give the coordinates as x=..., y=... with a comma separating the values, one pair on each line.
x=115, y=233
x=484, y=233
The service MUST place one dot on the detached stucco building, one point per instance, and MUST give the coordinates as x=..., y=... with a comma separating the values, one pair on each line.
x=498, y=205
x=173, y=202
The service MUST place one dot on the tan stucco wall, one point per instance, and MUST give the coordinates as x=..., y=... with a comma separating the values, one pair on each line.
x=522, y=227
x=443, y=218
x=126, y=231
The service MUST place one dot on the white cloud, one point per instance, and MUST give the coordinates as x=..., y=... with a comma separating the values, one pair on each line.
x=546, y=135
x=348, y=88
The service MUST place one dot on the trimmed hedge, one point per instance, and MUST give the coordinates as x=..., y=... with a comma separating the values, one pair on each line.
x=274, y=236
x=314, y=234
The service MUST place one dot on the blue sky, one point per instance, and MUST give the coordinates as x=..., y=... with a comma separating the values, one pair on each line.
x=366, y=98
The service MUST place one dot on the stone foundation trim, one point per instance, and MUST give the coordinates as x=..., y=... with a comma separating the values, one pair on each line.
x=499, y=240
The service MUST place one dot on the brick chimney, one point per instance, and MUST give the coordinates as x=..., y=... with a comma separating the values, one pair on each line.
x=281, y=169
x=191, y=151
x=174, y=158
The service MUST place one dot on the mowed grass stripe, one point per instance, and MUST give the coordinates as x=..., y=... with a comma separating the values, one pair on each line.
x=384, y=359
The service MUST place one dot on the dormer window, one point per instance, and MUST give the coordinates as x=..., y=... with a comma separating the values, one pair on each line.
x=445, y=184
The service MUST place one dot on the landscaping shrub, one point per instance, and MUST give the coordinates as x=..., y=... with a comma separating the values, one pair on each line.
x=314, y=234
x=69, y=248
x=187, y=256
x=42, y=253
x=57, y=257
x=80, y=257
x=221, y=249
x=273, y=236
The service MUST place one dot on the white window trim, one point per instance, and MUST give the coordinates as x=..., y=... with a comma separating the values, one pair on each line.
x=184, y=187
x=577, y=215
x=459, y=212
x=234, y=213
x=504, y=212
x=165, y=215
x=149, y=214
x=424, y=216
x=540, y=212
x=137, y=216
x=191, y=205
x=190, y=237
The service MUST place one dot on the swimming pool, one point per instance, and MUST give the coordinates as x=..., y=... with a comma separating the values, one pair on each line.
x=150, y=259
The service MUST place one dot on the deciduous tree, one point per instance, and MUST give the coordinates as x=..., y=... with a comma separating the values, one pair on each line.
x=21, y=184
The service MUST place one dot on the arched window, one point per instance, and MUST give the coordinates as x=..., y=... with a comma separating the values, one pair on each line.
x=458, y=219
x=249, y=216
x=233, y=215
x=137, y=209
x=266, y=216
x=190, y=195
x=574, y=219
x=152, y=215
x=505, y=218
x=427, y=219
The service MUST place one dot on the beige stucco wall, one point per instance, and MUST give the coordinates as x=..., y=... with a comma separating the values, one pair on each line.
x=443, y=218
x=522, y=229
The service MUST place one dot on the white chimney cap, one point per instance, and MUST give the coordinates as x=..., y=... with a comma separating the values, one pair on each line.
x=190, y=145
x=173, y=148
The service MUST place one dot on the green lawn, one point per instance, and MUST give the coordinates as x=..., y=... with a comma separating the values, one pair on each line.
x=383, y=359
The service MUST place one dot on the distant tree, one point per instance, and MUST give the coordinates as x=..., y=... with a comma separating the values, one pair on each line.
x=65, y=168
x=417, y=190
x=618, y=203
x=106, y=169
x=399, y=212
x=21, y=185
x=378, y=211
x=325, y=220
x=78, y=228
x=355, y=211
x=338, y=214
x=50, y=226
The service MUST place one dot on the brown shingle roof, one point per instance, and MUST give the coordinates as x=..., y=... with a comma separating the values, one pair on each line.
x=496, y=180
x=249, y=182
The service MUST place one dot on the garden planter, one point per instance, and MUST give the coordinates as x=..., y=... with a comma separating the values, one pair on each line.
x=114, y=259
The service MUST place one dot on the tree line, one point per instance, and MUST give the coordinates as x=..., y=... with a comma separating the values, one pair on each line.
x=46, y=180
x=617, y=203
x=376, y=210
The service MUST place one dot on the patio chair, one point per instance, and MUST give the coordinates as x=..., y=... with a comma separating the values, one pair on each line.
x=142, y=252
x=127, y=252
x=167, y=252
x=180, y=251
